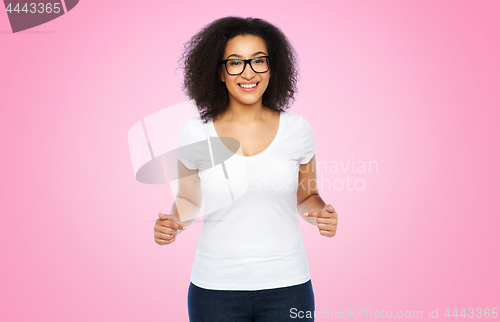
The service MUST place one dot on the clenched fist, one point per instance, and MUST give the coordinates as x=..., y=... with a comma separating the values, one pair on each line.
x=166, y=228
x=327, y=220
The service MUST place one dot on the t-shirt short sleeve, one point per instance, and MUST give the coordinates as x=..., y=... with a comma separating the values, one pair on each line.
x=184, y=151
x=308, y=143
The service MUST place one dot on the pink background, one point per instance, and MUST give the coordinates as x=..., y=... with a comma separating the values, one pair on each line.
x=412, y=85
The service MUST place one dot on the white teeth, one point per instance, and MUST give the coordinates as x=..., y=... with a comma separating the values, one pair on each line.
x=248, y=86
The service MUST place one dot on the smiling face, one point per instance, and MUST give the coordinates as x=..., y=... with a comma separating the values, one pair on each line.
x=245, y=47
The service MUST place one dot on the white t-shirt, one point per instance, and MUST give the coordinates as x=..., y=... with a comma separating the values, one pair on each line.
x=250, y=239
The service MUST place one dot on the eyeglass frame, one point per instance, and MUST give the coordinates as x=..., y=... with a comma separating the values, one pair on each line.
x=247, y=61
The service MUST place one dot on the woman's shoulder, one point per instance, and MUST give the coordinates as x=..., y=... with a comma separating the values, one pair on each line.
x=195, y=126
x=295, y=118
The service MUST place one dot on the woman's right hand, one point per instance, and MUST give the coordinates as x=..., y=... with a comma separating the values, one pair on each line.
x=166, y=228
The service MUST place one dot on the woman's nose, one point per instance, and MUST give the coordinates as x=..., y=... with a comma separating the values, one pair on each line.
x=248, y=72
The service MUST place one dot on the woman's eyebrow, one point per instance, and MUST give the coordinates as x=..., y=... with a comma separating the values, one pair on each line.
x=259, y=52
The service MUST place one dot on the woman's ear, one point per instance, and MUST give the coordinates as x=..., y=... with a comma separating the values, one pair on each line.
x=221, y=74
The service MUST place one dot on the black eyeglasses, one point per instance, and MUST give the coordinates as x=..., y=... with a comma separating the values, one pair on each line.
x=235, y=66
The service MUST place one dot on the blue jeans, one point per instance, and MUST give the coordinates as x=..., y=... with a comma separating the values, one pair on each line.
x=289, y=303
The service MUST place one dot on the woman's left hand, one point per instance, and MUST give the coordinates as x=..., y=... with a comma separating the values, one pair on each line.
x=327, y=220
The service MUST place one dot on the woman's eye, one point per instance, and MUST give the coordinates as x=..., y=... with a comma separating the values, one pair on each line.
x=235, y=62
x=258, y=61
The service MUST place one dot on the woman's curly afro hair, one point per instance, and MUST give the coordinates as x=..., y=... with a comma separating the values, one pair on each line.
x=201, y=63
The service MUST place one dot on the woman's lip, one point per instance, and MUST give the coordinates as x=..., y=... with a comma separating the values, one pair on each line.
x=249, y=83
x=249, y=89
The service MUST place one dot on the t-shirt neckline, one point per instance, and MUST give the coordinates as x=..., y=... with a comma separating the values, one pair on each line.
x=269, y=147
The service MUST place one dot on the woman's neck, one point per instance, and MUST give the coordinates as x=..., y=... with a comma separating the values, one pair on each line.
x=241, y=113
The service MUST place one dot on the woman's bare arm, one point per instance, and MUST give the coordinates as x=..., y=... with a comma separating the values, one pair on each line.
x=308, y=198
x=187, y=203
